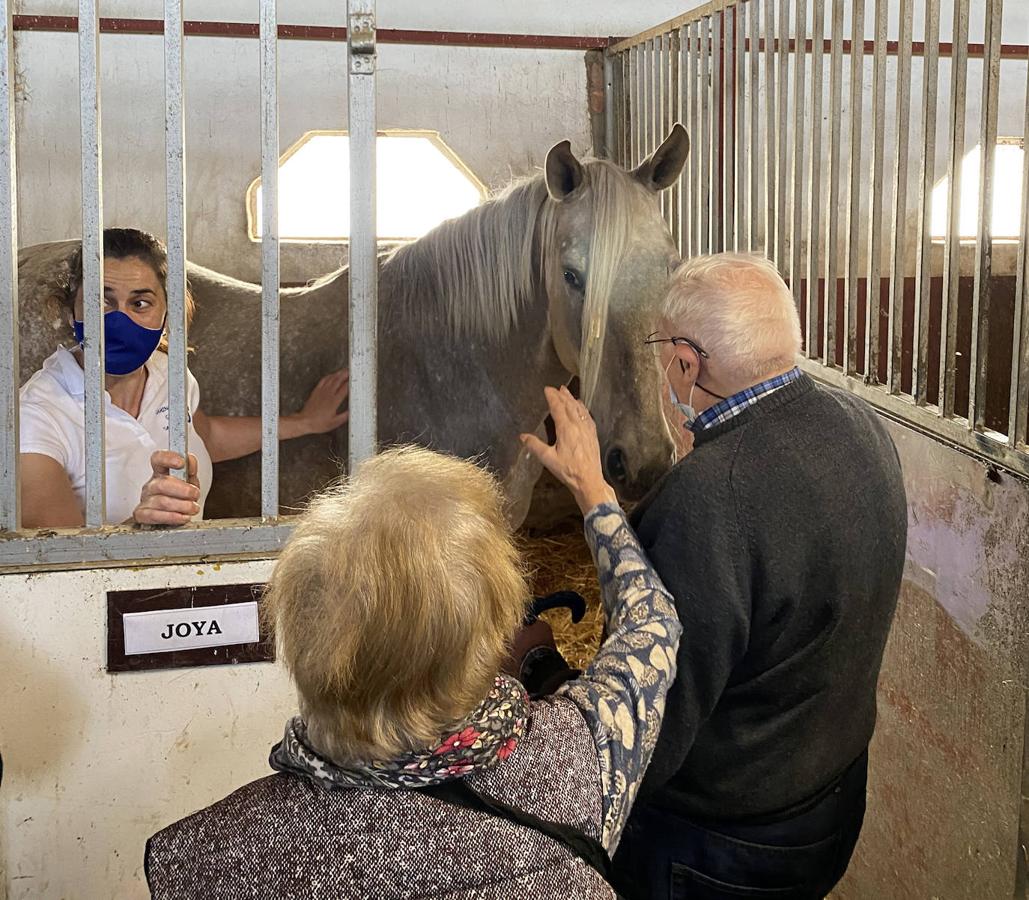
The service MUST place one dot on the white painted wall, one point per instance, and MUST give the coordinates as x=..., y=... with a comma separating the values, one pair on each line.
x=501, y=110
x=95, y=763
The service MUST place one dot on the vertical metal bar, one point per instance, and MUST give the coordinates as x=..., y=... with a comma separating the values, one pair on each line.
x=641, y=107
x=657, y=108
x=739, y=121
x=857, y=63
x=729, y=129
x=952, y=239
x=92, y=262
x=674, y=105
x=771, y=181
x=923, y=260
x=685, y=92
x=175, y=140
x=364, y=274
x=898, y=261
x=982, y=291
x=270, y=279
x=705, y=137
x=717, y=31
x=647, y=147
x=9, y=503
x=783, y=135
x=814, y=231
x=797, y=217
x=753, y=160
x=609, y=151
x=875, y=206
x=697, y=137
x=835, y=178
x=1018, y=409
x=625, y=131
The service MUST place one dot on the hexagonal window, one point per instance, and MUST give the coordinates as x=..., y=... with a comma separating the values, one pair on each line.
x=421, y=182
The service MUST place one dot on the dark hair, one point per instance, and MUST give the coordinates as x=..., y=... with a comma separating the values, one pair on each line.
x=126, y=243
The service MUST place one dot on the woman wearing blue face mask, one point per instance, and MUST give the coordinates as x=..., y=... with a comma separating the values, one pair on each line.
x=139, y=486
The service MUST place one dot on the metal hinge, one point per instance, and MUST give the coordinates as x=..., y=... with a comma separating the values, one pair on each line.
x=361, y=43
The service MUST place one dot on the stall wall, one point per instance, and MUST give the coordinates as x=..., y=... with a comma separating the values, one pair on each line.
x=94, y=763
x=949, y=780
x=500, y=110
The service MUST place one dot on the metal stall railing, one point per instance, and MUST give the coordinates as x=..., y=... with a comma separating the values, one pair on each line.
x=97, y=543
x=795, y=158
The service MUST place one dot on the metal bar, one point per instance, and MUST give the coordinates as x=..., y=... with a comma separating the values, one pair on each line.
x=10, y=518
x=814, y=230
x=682, y=53
x=696, y=136
x=625, y=132
x=175, y=142
x=364, y=274
x=85, y=548
x=610, y=152
x=648, y=100
x=674, y=115
x=739, y=124
x=898, y=261
x=835, y=179
x=850, y=304
x=270, y=277
x=636, y=126
x=728, y=129
x=923, y=261
x=92, y=262
x=656, y=107
x=782, y=134
x=705, y=137
x=952, y=237
x=771, y=182
x=982, y=291
x=641, y=108
x=797, y=217
x=717, y=81
x=1018, y=408
x=873, y=302
x=989, y=445
x=753, y=160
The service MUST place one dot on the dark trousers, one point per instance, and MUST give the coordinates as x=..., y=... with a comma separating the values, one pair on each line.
x=665, y=855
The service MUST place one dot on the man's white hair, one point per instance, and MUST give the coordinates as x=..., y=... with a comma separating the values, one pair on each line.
x=737, y=307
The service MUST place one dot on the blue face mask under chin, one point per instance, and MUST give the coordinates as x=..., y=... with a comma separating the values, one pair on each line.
x=127, y=344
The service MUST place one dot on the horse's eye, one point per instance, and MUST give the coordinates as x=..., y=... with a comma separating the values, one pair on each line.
x=572, y=279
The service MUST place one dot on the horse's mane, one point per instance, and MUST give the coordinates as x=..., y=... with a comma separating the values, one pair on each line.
x=476, y=273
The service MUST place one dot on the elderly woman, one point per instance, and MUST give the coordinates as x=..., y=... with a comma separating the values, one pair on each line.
x=416, y=768
x=138, y=484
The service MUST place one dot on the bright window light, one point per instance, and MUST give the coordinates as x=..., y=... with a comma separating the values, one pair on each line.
x=1007, y=194
x=421, y=182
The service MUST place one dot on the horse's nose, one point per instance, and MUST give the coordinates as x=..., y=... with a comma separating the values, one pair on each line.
x=614, y=463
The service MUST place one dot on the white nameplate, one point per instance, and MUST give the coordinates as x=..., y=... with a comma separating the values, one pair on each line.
x=190, y=629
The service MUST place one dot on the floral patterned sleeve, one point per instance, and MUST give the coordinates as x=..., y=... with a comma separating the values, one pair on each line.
x=622, y=692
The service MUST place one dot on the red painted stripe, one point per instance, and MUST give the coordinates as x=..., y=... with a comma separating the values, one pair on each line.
x=323, y=33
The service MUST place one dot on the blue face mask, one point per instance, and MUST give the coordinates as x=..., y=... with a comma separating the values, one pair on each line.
x=127, y=345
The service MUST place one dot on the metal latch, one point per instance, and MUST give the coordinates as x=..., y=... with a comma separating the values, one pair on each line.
x=361, y=42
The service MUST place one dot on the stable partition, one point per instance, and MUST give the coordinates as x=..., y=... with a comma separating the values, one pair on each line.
x=99, y=543
x=795, y=157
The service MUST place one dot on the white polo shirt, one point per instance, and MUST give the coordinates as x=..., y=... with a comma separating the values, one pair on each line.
x=52, y=404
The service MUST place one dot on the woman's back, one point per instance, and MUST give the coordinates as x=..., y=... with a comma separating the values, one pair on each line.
x=281, y=836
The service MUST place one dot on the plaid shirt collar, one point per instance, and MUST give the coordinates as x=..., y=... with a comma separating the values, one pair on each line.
x=725, y=409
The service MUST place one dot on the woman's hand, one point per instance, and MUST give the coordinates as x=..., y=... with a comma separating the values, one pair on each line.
x=321, y=411
x=165, y=499
x=574, y=460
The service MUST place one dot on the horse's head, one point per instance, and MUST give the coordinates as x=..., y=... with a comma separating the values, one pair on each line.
x=607, y=256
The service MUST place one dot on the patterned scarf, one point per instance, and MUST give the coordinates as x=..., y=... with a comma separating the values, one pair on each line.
x=490, y=734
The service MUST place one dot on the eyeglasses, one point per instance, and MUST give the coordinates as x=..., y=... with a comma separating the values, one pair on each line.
x=675, y=342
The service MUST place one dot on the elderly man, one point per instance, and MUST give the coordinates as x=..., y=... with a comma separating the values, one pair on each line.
x=781, y=537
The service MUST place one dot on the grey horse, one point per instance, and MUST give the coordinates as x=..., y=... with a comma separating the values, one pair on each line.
x=558, y=276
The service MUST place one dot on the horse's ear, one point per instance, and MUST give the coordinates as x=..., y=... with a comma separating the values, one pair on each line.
x=660, y=170
x=564, y=171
